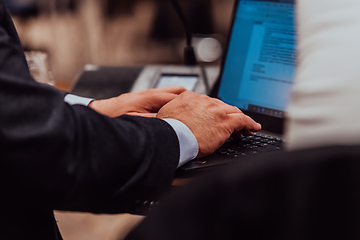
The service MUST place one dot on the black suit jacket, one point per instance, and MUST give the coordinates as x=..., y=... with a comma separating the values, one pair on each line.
x=57, y=156
x=308, y=194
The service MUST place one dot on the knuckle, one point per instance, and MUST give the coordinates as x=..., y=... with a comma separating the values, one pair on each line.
x=148, y=91
x=190, y=94
x=186, y=93
x=236, y=109
x=218, y=101
x=181, y=88
x=201, y=96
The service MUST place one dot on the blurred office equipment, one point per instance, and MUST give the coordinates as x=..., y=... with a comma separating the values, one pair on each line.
x=100, y=82
x=39, y=66
x=83, y=35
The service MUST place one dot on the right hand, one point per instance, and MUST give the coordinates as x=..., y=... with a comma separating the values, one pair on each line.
x=210, y=120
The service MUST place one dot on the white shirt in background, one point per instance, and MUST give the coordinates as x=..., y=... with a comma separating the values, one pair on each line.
x=325, y=103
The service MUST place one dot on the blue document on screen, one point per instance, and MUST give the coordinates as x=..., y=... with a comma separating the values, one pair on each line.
x=260, y=62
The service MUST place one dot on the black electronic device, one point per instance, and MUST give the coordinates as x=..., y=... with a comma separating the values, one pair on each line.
x=187, y=81
x=101, y=82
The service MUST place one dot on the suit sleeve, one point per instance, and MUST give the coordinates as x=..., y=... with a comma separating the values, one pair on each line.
x=66, y=157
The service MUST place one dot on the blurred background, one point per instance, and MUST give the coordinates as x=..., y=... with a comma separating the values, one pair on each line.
x=115, y=32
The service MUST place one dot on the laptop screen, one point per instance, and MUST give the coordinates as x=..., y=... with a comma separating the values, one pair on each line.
x=259, y=66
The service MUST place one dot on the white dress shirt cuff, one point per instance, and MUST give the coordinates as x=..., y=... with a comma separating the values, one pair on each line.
x=189, y=147
x=73, y=99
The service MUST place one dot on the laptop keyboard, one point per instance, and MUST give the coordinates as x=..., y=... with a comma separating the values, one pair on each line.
x=258, y=143
x=233, y=149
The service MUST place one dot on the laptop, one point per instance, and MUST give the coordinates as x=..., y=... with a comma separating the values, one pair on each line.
x=256, y=76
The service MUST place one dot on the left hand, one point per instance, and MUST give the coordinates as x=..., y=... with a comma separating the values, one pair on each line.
x=142, y=103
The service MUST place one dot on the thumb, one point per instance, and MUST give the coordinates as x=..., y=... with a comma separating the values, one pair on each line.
x=161, y=99
x=176, y=90
x=148, y=115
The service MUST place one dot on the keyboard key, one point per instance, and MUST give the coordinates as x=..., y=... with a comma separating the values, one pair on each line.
x=250, y=145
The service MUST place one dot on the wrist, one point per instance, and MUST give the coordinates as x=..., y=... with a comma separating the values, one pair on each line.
x=99, y=106
x=94, y=104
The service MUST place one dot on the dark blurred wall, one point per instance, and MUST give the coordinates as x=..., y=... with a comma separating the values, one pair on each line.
x=167, y=24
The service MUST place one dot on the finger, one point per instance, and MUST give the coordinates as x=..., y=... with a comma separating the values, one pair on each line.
x=245, y=132
x=226, y=107
x=176, y=90
x=149, y=115
x=160, y=100
x=237, y=135
x=242, y=133
x=244, y=123
x=230, y=109
x=251, y=125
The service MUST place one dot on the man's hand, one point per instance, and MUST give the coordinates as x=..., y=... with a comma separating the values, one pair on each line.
x=210, y=120
x=143, y=103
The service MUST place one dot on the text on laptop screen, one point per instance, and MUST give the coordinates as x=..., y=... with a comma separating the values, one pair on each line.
x=260, y=62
